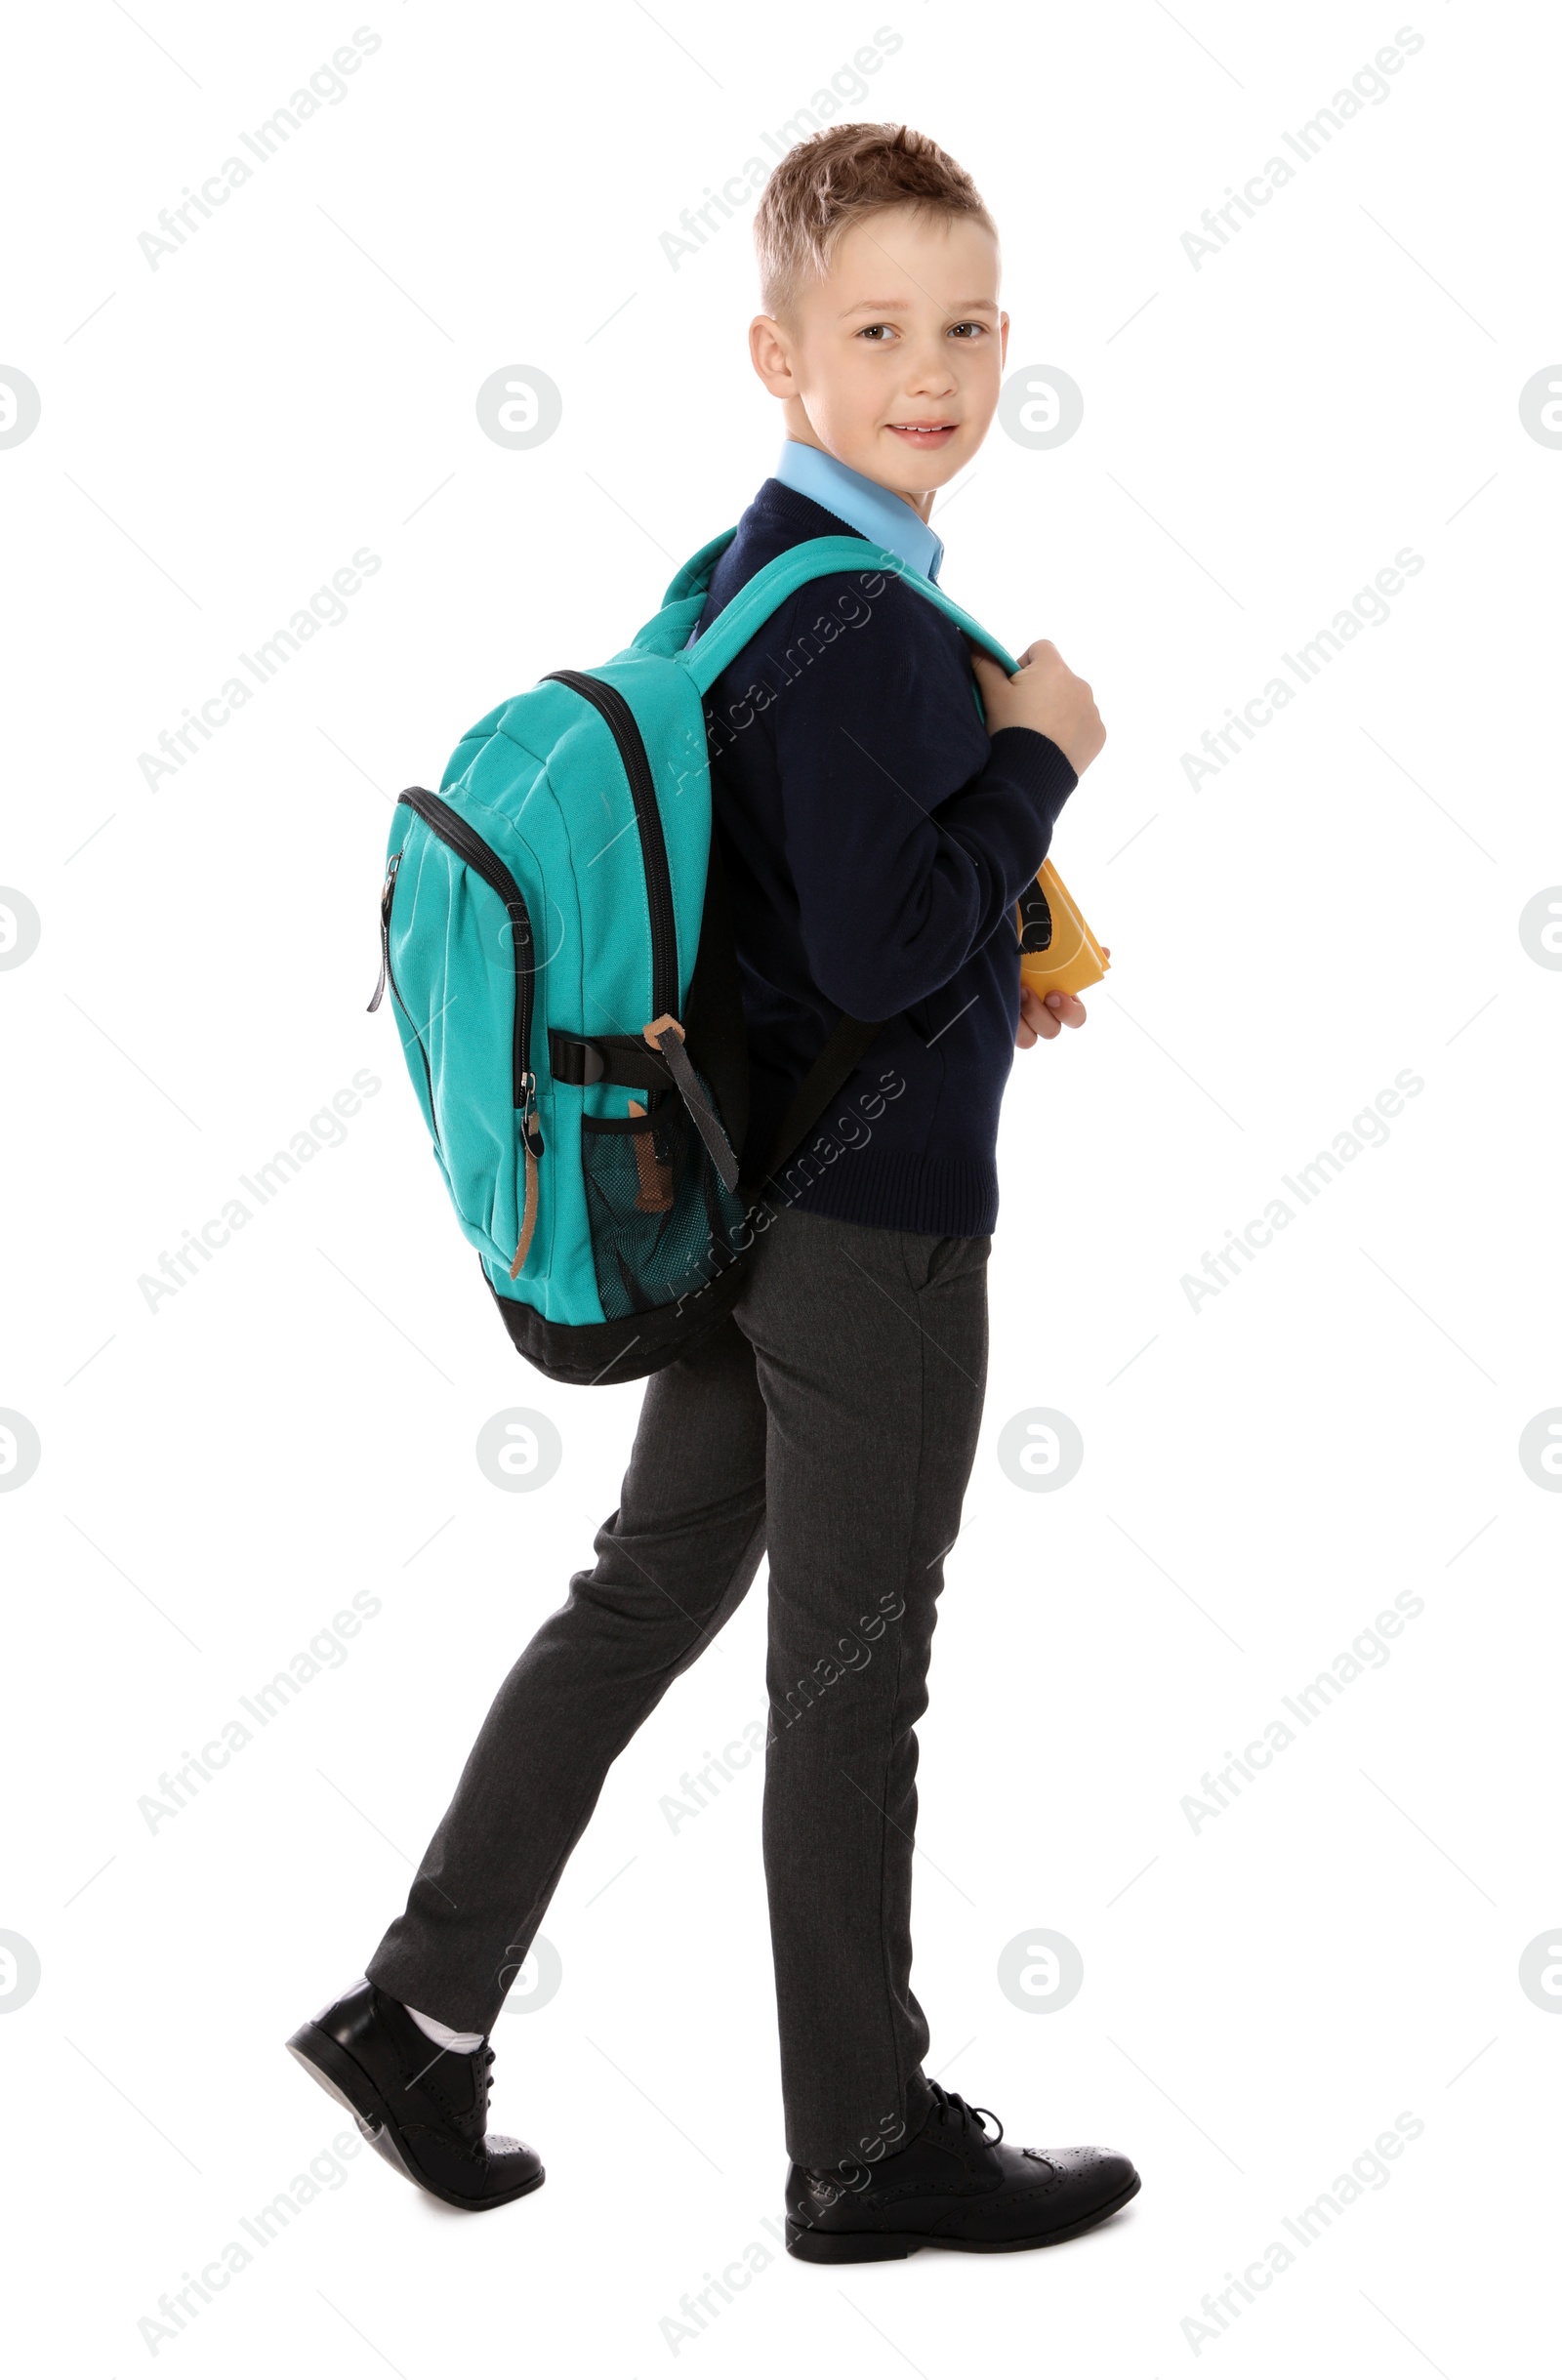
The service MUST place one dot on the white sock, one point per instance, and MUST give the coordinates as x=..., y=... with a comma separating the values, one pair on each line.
x=442, y=2033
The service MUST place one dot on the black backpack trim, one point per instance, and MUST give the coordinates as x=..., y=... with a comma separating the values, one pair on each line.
x=588, y=1354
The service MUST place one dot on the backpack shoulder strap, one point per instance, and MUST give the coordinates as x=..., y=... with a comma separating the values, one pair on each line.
x=816, y=557
x=713, y=1017
x=713, y=1013
x=835, y=1065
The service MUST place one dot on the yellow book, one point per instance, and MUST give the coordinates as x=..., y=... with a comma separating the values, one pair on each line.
x=1058, y=953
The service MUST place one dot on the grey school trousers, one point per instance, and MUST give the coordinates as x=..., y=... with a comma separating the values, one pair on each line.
x=830, y=1422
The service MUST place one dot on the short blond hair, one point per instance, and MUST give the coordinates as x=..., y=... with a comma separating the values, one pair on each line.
x=834, y=178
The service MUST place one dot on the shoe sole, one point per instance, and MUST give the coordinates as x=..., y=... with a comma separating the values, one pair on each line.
x=328, y=2064
x=883, y=2247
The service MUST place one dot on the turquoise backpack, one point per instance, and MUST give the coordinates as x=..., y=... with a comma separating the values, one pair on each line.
x=554, y=934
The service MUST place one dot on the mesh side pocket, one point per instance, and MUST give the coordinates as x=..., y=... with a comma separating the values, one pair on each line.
x=659, y=1215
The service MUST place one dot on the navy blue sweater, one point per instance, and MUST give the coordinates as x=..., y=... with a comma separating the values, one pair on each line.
x=876, y=841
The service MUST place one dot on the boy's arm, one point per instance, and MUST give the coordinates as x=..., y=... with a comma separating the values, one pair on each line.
x=910, y=833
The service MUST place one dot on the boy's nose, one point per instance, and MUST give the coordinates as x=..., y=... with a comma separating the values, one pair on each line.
x=930, y=375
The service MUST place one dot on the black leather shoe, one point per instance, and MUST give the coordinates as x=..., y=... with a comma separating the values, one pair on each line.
x=424, y=2108
x=953, y=2187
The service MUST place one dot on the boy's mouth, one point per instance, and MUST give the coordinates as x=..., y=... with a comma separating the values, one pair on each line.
x=924, y=434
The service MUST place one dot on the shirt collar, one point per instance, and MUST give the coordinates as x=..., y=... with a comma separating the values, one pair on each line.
x=862, y=504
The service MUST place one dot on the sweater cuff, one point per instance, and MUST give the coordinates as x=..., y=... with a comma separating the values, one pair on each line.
x=1032, y=760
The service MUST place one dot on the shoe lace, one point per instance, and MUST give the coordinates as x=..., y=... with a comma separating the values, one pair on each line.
x=951, y=2106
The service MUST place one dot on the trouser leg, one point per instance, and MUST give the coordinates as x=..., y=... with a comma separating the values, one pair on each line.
x=672, y=1564
x=872, y=1351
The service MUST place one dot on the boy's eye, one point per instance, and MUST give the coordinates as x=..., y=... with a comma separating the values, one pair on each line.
x=876, y=333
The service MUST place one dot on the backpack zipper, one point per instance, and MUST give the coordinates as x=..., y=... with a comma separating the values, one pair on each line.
x=625, y=734
x=386, y=891
x=387, y=977
x=452, y=829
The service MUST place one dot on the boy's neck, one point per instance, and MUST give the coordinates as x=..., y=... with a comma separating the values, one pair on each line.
x=922, y=506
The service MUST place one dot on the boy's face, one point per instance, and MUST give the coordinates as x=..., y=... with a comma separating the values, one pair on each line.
x=893, y=361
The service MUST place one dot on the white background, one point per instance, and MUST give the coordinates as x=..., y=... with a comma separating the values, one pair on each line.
x=1262, y=1996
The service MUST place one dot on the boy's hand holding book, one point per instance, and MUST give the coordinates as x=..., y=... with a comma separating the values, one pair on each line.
x=1041, y=1017
x=1045, y=694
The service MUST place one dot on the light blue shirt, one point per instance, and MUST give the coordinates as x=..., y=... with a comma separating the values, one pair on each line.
x=862, y=504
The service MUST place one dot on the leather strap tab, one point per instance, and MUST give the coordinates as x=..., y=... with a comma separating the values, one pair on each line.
x=654, y=1176
x=707, y=1123
x=528, y=1220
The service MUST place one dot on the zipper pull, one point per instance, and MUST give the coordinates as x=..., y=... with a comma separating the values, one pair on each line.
x=531, y=1150
x=530, y=1135
x=386, y=890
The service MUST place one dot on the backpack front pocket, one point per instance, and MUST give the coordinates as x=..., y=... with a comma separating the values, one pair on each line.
x=489, y=1165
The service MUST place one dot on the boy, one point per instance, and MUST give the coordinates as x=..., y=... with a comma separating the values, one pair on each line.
x=874, y=837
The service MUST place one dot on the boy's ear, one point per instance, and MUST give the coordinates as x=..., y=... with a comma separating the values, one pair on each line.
x=771, y=357
x=1003, y=341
